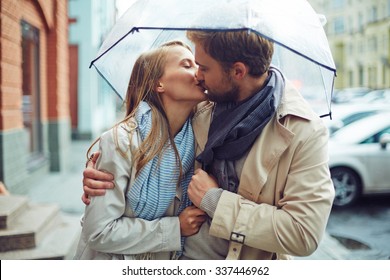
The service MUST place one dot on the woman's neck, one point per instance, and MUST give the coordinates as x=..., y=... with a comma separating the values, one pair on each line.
x=177, y=116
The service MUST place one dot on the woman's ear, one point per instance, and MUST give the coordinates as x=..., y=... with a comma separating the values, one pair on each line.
x=160, y=87
x=239, y=70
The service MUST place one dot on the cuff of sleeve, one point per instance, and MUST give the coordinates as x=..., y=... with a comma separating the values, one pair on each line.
x=210, y=201
x=171, y=237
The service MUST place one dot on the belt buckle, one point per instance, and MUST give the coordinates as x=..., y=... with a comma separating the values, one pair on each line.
x=237, y=237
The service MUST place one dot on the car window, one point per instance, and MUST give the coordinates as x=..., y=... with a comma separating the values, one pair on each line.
x=375, y=138
x=357, y=116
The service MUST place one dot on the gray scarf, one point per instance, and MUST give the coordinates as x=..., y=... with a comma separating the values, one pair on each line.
x=235, y=127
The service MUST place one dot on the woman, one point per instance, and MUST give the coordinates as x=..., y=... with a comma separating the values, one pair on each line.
x=151, y=155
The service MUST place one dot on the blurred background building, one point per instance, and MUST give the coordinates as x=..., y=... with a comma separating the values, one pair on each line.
x=47, y=91
x=359, y=37
x=92, y=102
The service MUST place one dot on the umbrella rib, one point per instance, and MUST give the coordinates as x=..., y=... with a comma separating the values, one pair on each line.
x=134, y=29
x=325, y=115
x=117, y=93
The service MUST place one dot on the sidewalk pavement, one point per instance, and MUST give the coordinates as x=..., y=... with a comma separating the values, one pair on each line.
x=65, y=190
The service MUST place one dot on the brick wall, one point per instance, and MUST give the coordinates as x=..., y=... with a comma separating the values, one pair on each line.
x=10, y=62
x=51, y=19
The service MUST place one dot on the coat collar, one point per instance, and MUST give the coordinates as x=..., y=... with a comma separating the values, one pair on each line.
x=292, y=103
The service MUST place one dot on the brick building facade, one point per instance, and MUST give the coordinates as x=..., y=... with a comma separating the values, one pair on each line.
x=34, y=90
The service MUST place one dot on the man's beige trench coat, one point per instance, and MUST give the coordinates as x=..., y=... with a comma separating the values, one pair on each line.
x=285, y=193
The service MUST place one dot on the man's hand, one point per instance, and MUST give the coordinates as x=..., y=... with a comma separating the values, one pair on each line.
x=95, y=182
x=200, y=183
x=190, y=220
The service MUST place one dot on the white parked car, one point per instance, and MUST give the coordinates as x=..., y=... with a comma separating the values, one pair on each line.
x=345, y=114
x=375, y=96
x=359, y=159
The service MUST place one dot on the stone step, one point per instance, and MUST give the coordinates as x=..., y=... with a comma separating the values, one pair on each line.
x=10, y=207
x=29, y=227
x=59, y=243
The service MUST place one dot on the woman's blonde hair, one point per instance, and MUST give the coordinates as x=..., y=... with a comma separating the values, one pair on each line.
x=144, y=79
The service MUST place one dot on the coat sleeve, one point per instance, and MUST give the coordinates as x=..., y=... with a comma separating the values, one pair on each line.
x=296, y=223
x=106, y=227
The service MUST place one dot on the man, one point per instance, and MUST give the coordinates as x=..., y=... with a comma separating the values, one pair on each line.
x=264, y=181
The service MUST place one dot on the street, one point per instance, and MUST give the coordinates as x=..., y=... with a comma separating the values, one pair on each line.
x=364, y=228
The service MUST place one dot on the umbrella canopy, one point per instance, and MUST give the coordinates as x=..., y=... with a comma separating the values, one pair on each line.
x=301, y=48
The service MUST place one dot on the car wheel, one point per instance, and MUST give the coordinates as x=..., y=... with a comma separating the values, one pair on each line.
x=347, y=186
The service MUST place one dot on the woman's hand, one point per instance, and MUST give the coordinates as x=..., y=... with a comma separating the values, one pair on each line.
x=190, y=220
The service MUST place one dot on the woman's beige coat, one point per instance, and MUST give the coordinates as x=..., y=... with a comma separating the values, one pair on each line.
x=110, y=230
x=285, y=193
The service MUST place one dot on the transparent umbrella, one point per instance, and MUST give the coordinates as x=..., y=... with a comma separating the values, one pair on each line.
x=301, y=47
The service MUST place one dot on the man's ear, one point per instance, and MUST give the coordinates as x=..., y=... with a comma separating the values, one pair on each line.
x=160, y=87
x=239, y=70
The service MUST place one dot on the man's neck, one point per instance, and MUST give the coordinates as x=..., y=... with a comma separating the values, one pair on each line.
x=251, y=85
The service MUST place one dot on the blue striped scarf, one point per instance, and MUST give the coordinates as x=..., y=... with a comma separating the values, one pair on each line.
x=154, y=189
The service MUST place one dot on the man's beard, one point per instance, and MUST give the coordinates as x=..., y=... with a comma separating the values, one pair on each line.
x=231, y=95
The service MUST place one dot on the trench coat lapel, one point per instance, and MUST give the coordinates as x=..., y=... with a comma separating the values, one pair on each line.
x=270, y=145
x=262, y=158
x=201, y=124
